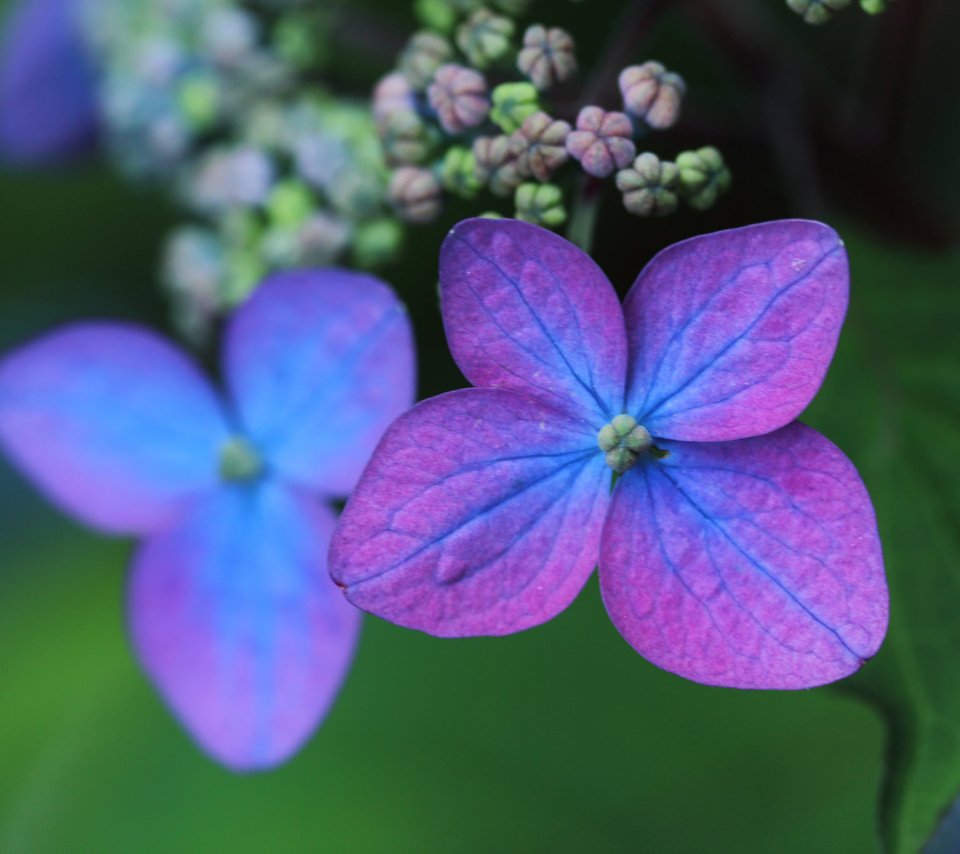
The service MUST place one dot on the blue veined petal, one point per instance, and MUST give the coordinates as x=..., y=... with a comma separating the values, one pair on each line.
x=112, y=423
x=526, y=310
x=235, y=619
x=319, y=362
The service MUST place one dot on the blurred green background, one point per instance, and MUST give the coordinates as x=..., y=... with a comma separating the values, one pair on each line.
x=560, y=738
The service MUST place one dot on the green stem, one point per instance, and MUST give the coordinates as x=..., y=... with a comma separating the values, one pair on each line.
x=583, y=216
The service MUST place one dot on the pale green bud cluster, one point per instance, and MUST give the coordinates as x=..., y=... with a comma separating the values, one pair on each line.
x=239, y=461
x=218, y=100
x=446, y=130
x=623, y=441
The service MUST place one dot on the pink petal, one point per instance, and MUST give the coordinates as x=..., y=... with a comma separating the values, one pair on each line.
x=749, y=564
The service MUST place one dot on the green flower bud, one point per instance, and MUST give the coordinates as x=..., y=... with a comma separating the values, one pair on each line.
x=239, y=460
x=458, y=172
x=703, y=177
x=407, y=139
x=541, y=204
x=496, y=164
x=377, y=242
x=649, y=186
x=245, y=269
x=438, y=15
x=817, y=11
x=623, y=441
x=873, y=7
x=485, y=38
x=423, y=55
x=199, y=100
x=290, y=203
x=512, y=103
x=295, y=40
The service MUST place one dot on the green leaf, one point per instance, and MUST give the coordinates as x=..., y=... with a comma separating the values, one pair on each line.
x=892, y=401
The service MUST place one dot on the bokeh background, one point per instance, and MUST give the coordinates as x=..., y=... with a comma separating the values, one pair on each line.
x=561, y=738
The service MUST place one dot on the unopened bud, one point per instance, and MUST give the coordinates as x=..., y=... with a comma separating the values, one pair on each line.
x=649, y=186
x=407, y=139
x=423, y=55
x=602, y=141
x=485, y=38
x=703, y=177
x=459, y=97
x=512, y=103
x=541, y=204
x=540, y=144
x=415, y=194
x=547, y=56
x=496, y=164
x=458, y=172
x=652, y=93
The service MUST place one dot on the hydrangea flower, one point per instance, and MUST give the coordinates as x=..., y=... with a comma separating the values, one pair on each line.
x=48, y=109
x=231, y=610
x=736, y=546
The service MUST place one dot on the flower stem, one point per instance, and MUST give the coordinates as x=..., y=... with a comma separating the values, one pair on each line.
x=583, y=215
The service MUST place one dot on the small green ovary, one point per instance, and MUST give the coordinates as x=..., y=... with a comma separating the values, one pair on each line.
x=623, y=441
x=239, y=460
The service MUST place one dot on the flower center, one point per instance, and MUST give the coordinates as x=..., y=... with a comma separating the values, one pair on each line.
x=623, y=441
x=239, y=460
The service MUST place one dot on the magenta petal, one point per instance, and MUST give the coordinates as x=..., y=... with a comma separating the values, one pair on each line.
x=526, y=310
x=479, y=514
x=234, y=617
x=48, y=109
x=749, y=564
x=113, y=423
x=319, y=362
x=731, y=333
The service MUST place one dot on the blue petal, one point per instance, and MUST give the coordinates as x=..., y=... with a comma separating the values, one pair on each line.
x=110, y=421
x=319, y=362
x=234, y=617
x=48, y=109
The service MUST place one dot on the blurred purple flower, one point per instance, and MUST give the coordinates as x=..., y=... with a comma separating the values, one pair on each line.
x=231, y=610
x=737, y=547
x=48, y=107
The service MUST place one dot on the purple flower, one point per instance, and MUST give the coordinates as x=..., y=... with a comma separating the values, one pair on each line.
x=48, y=109
x=737, y=547
x=231, y=610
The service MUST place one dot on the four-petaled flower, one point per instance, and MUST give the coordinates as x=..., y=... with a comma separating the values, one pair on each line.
x=231, y=609
x=736, y=547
